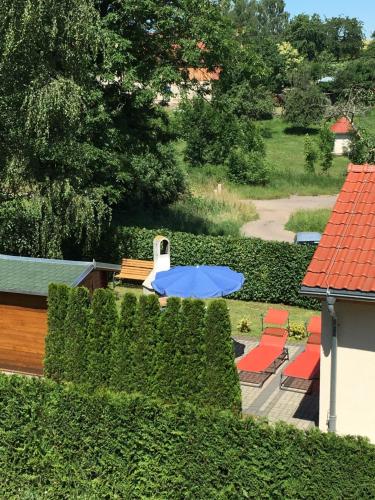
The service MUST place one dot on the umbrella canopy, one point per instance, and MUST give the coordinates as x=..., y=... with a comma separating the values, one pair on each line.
x=200, y=282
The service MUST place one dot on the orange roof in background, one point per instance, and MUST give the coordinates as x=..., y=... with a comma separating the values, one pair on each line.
x=342, y=126
x=345, y=256
x=203, y=74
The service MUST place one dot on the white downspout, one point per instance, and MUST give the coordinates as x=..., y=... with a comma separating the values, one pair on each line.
x=332, y=417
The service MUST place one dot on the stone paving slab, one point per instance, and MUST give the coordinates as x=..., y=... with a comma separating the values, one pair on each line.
x=275, y=404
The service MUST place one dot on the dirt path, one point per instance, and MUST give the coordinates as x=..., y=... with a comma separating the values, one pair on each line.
x=274, y=214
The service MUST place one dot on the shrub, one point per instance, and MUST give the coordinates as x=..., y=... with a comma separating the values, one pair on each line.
x=326, y=142
x=244, y=325
x=247, y=167
x=222, y=383
x=103, y=324
x=305, y=106
x=60, y=442
x=122, y=345
x=311, y=155
x=58, y=296
x=169, y=351
x=146, y=339
x=76, y=332
x=297, y=330
x=191, y=373
x=273, y=270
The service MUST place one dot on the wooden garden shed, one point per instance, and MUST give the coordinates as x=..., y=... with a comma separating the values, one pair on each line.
x=24, y=285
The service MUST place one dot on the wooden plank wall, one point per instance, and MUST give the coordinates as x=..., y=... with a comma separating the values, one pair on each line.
x=23, y=327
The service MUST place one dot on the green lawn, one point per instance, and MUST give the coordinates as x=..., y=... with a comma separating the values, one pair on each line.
x=248, y=310
x=367, y=121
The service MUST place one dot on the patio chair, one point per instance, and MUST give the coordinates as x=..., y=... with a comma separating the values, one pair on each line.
x=262, y=361
x=303, y=372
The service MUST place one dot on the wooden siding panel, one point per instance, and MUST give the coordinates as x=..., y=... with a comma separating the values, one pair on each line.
x=22, y=336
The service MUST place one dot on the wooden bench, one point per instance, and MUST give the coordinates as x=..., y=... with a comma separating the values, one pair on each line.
x=133, y=269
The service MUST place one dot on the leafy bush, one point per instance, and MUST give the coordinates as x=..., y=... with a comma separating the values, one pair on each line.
x=192, y=354
x=326, y=143
x=273, y=270
x=77, y=325
x=222, y=383
x=248, y=167
x=297, y=330
x=244, y=325
x=168, y=354
x=212, y=131
x=311, y=154
x=123, y=345
x=145, y=347
x=104, y=322
x=59, y=442
x=58, y=296
x=305, y=106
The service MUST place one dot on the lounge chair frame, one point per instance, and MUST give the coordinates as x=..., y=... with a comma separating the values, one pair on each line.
x=257, y=379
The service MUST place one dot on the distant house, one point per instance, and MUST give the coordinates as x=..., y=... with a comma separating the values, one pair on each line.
x=342, y=275
x=199, y=79
x=23, y=304
x=342, y=129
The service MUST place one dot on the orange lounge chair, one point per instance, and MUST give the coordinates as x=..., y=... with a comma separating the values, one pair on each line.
x=303, y=371
x=262, y=361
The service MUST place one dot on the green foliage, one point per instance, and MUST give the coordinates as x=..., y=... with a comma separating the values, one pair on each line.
x=304, y=106
x=326, y=143
x=341, y=37
x=76, y=334
x=103, y=323
x=311, y=155
x=244, y=325
x=192, y=355
x=59, y=442
x=248, y=167
x=147, y=339
x=80, y=131
x=168, y=353
x=362, y=148
x=223, y=388
x=123, y=345
x=297, y=330
x=58, y=296
x=308, y=220
x=273, y=270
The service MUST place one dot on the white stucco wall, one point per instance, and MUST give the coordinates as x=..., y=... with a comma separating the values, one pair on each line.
x=341, y=145
x=355, y=403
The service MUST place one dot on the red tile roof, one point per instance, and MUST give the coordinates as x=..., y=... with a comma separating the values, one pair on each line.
x=345, y=256
x=342, y=126
x=203, y=74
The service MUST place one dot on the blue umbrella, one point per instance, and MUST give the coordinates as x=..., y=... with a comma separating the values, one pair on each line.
x=201, y=282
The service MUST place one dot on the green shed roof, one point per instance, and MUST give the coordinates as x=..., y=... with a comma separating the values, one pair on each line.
x=32, y=276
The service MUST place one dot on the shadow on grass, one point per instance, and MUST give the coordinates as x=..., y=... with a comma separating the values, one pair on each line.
x=300, y=130
x=167, y=218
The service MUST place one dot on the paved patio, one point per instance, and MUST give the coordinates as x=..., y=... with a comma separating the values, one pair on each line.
x=269, y=401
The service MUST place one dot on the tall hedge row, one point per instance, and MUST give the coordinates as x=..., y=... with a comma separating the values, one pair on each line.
x=168, y=354
x=273, y=270
x=57, y=442
x=58, y=297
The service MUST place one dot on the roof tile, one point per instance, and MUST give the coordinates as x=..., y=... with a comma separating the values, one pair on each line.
x=345, y=256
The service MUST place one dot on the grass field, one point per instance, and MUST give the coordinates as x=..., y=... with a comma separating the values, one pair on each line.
x=284, y=147
x=251, y=311
x=308, y=220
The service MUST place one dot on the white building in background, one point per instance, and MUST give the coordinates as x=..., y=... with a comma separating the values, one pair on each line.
x=342, y=129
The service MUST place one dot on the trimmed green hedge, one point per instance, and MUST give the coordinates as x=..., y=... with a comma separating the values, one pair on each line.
x=273, y=270
x=173, y=354
x=57, y=442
